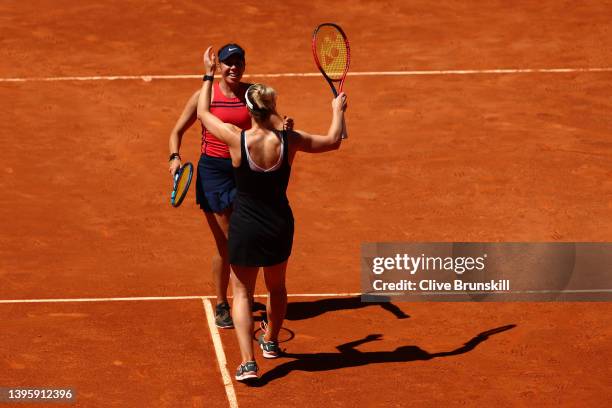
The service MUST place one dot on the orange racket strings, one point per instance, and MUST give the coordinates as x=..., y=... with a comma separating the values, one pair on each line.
x=332, y=52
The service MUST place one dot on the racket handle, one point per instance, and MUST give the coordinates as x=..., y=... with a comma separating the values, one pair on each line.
x=175, y=181
x=344, y=134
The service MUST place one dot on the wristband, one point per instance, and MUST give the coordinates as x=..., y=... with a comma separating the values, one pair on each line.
x=208, y=78
x=174, y=156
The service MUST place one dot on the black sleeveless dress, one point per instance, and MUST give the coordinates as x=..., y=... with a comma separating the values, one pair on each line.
x=261, y=225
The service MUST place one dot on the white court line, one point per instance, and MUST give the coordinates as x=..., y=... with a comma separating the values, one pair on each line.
x=216, y=338
x=296, y=295
x=149, y=78
x=347, y=294
x=116, y=299
x=149, y=298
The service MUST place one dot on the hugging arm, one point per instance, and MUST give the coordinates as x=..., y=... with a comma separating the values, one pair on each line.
x=281, y=123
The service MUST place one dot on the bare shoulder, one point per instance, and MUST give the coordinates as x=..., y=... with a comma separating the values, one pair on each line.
x=193, y=99
x=294, y=134
x=295, y=138
x=297, y=134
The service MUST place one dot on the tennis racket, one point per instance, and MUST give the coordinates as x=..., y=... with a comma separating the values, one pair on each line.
x=182, y=180
x=332, y=54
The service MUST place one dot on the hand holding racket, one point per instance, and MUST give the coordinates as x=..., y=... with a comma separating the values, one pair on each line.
x=339, y=102
x=174, y=165
x=331, y=51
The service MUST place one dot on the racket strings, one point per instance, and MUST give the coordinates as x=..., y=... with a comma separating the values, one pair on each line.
x=332, y=52
x=182, y=180
x=183, y=184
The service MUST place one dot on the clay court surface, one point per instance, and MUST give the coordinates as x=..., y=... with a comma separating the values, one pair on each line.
x=430, y=157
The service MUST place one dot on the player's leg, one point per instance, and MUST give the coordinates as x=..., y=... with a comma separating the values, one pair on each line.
x=276, y=308
x=219, y=225
x=243, y=286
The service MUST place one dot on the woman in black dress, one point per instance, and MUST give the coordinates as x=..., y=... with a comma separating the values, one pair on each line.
x=261, y=226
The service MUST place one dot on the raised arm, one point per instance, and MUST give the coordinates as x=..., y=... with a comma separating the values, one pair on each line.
x=223, y=131
x=226, y=132
x=323, y=143
x=184, y=122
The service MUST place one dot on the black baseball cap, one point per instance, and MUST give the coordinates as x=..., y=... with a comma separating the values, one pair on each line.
x=230, y=50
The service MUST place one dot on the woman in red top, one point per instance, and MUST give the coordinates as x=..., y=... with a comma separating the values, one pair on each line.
x=215, y=186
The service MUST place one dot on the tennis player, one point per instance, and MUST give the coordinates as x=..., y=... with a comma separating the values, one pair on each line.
x=261, y=226
x=215, y=187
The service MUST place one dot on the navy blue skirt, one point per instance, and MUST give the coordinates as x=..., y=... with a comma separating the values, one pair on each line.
x=215, y=184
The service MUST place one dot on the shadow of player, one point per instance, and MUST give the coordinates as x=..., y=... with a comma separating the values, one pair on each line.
x=349, y=356
x=313, y=308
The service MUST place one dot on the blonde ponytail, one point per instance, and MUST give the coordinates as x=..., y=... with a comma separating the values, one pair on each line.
x=261, y=101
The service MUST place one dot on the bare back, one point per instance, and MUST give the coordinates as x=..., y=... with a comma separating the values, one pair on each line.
x=264, y=147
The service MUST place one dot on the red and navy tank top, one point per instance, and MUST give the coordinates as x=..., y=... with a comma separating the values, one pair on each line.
x=229, y=110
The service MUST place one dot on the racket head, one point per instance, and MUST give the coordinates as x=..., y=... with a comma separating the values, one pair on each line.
x=285, y=335
x=182, y=180
x=332, y=53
